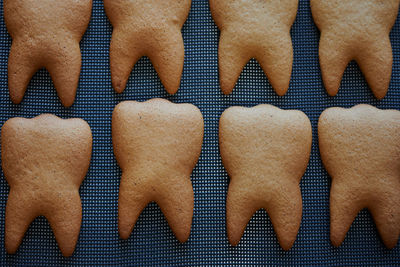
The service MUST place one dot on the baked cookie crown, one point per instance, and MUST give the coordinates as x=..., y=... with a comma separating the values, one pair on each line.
x=255, y=29
x=46, y=33
x=360, y=149
x=143, y=28
x=44, y=161
x=355, y=30
x=265, y=151
x=157, y=145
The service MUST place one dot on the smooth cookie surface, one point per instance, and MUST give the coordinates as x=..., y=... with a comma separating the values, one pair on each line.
x=46, y=33
x=265, y=151
x=147, y=28
x=360, y=149
x=157, y=145
x=355, y=30
x=44, y=161
x=255, y=29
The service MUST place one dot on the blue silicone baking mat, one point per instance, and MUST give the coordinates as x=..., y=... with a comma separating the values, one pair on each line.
x=152, y=242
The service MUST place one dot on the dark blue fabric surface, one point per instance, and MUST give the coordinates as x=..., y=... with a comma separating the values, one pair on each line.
x=152, y=242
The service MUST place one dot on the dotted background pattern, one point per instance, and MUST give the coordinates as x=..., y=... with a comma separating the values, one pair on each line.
x=152, y=242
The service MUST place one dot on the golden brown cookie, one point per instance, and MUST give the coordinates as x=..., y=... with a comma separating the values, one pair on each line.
x=265, y=151
x=255, y=29
x=46, y=33
x=44, y=161
x=147, y=28
x=360, y=149
x=355, y=30
x=157, y=145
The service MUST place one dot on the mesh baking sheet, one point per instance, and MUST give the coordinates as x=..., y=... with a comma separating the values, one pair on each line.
x=152, y=242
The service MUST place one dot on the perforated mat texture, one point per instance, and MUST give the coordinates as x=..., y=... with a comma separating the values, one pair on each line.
x=152, y=242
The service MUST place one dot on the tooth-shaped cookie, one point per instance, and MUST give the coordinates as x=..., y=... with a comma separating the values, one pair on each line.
x=147, y=28
x=157, y=145
x=355, y=30
x=360, y=149
x=44, y=161
x=46, y=33
x=265, y=151
x=255, y=29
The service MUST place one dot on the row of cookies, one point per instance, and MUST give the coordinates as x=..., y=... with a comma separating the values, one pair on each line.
x=47, y=34
x=264, y=149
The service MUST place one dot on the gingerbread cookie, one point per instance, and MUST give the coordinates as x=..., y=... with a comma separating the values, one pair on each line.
x=143, y=28
x=46, y=33
x=255, y=29
x=265, y=151
x=44, y=161
x=355, y=30
x=360, y=149
x=157, y=145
